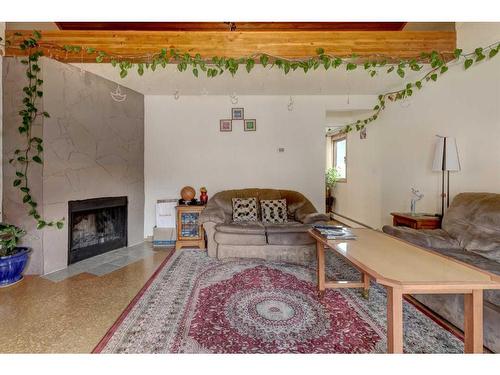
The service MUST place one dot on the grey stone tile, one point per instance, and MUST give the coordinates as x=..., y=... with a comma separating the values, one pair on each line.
x=62, y=274
x=104, y=269
x=123, y=261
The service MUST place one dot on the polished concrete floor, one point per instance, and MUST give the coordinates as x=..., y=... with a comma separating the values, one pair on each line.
x=71, y=315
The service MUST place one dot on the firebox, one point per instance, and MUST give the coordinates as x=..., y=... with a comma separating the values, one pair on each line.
x=96, y=226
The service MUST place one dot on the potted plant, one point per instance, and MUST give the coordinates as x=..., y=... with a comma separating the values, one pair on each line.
x=13, y=258
x=331, y=178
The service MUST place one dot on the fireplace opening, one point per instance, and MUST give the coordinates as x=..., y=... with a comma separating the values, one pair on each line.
x=96, y=226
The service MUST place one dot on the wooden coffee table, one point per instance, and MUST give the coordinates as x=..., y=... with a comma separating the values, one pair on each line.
x=403, y=268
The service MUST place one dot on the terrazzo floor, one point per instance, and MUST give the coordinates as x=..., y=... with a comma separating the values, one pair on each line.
x=69, y=311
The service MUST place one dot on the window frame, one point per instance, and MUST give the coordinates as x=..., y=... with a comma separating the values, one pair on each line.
x=334, y=140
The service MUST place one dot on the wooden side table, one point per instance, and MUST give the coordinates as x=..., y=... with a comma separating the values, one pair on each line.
x=415, y=221
x=189, y=230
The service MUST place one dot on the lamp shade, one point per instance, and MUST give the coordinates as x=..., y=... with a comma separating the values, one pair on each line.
x=446, y=155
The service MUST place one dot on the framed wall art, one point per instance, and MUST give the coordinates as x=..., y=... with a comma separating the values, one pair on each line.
x=226, y=125
x=237, y=114
x=250, y=125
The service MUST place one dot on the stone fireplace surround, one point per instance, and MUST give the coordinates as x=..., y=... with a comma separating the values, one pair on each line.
x=93, y=147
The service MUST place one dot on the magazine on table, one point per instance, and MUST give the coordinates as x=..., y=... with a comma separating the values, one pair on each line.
x=335, y=232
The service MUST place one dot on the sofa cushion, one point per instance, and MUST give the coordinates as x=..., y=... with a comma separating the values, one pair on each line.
x=492, y=296
x=242, y=227
x=273, y=211
x=289, y=227
x=430, y=238
x=242, y=239
x=473, y=219
x=244, y=209
x=291, y=233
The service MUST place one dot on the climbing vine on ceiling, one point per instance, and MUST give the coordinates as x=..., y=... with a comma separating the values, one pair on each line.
x=432, y=65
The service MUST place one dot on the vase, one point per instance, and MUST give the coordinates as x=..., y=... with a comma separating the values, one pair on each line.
x=12, y=266
x=203, y=198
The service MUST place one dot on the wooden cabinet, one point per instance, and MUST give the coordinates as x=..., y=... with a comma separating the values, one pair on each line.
x=190, y=232
x=416, y=221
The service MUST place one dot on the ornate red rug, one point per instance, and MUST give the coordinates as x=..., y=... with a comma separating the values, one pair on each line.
x=196, y=304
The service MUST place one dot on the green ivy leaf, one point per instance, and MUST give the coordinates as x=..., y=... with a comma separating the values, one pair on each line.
x=195, y=72
x=493, y=53
x=351, y=66
x=444, y=68
x=60, y=225
x=41, y=224
x=46, y=114
x=123, y=73
x=37, y=159
x=434, y=77
x=418, y=84
x=26, y=198
x=390, y=69
x=320, y=51
x=457, y=52
x=400, y=72
x=16, y=182
x=264, y=60
x=468, y=63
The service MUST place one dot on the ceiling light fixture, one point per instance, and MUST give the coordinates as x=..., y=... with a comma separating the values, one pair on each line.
x=290, y=104
x=117, y=95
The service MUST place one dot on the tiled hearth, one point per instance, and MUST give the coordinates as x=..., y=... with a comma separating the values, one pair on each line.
x=104, y=263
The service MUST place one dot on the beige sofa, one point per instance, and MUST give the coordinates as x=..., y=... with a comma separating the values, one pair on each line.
x=470, y=233
x=288, y=242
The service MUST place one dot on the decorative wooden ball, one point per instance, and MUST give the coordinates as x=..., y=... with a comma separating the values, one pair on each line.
x=188, y=193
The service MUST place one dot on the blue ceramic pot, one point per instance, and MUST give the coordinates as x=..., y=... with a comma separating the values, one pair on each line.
x=12, y=266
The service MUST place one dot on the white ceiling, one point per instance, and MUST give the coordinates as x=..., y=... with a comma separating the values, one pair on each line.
x=261, y=81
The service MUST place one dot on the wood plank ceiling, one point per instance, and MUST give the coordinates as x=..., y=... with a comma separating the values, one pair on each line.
x=287, y=40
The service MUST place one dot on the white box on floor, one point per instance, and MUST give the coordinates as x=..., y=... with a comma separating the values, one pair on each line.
x=164, y=236
x=165, y=213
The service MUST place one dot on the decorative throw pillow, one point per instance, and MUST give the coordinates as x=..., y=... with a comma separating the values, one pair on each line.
x=274, y=211
x=244, y=209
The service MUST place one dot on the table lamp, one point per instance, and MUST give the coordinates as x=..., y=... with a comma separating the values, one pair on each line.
x=445, y=160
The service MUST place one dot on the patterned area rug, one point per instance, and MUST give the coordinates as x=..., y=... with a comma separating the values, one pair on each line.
x=196, y=304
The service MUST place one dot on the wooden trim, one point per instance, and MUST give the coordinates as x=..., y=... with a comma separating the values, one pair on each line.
x=342, y=284
x=288, y=44
x=394, y=320
x=473, y=322
x=226, y=26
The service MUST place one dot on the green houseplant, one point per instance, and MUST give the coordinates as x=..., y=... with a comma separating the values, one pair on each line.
x=13, y=259
x=331, y=178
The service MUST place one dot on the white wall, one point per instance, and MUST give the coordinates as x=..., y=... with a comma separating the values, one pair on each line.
x=398, y=152
x=183, y=145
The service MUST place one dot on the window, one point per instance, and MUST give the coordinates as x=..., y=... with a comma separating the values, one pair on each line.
x=339, y=148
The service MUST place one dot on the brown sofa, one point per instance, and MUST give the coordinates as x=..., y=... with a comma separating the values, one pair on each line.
x=470, y=233
x=287, y=242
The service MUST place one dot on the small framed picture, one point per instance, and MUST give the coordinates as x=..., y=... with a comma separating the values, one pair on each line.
x=237, y=114
x=250, y=125
x=226, y=125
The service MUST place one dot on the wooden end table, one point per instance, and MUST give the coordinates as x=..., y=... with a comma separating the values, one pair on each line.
x=416, y=221
x=189, y=230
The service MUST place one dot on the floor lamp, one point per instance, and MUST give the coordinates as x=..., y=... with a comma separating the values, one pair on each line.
x=445, y=160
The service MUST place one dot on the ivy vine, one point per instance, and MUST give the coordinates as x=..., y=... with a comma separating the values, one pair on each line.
x=33, y=147
x=439, y=64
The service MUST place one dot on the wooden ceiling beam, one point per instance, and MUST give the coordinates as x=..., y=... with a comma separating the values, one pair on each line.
x=137, y=45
